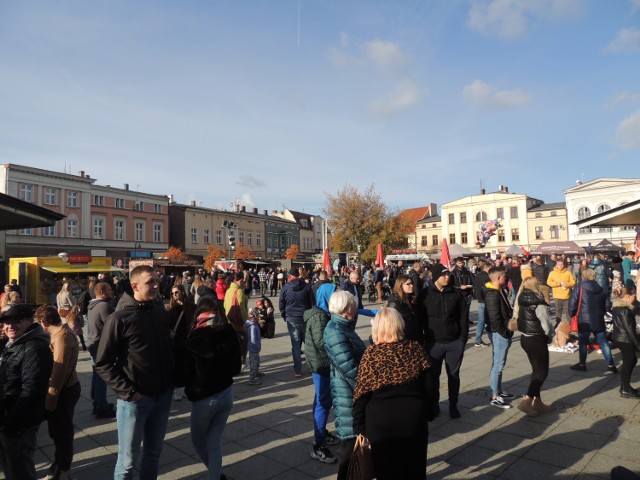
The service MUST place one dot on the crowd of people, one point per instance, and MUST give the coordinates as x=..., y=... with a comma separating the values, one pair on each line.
x=151, y=352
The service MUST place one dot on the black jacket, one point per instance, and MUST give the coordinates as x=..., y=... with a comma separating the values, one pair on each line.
x=482, y=278
x=592, y=306
x=498, y=311
x=355, y=289
x=212, y=359
x=25, y=367
x=624, y=324
x=460, y=277
x=135, y=351
x=541, y=272
x=296, y=298
x=446, y=315
x=528, y=321
x=413, y=321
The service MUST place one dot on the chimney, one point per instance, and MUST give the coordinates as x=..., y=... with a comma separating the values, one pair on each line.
x=501, y=188
x=87, y=176
x=171, y=198
x=482, y=191
x=81, y=173
x=193, y=203
x=255, y=210
x=243, y=209
x=266, y=212
x=126, y=186
x=433, y=209
x=506, y=189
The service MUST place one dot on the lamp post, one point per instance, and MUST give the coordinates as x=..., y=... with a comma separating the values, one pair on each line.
x=230, y=227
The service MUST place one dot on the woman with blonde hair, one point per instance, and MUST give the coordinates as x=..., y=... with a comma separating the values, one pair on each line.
x=65, y=300
x=394, y=399
x=537, y=330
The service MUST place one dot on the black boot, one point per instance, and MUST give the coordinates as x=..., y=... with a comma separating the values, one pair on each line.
x=627, y=392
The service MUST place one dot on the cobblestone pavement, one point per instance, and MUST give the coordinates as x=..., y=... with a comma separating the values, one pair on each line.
x=270, y=432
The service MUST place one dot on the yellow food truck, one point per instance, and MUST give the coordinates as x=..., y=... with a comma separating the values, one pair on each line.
x=40, y=277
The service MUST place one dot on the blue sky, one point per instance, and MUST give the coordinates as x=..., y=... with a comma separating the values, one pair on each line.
x=277, y=102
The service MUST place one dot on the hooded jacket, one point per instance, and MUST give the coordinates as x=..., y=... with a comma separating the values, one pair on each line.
x=624, y=323
x=97, y=313
x=592, y=306
x=135, y=352
x=603, y=273
x=25, y=367
x=295, y=299
x=529, y=321
x=317, y=318
x=446, y=314
x=556, y=277
x=498, y=311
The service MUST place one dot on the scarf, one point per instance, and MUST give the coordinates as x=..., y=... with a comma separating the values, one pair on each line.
x=389, y=364
x=204, y=320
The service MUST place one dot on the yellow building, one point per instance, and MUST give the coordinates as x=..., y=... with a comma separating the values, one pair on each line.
x=428, y=234
x=547, y=222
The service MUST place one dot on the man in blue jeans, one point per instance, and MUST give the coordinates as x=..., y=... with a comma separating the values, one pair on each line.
x=498, y=312
x=135, y=359
x=296, y=297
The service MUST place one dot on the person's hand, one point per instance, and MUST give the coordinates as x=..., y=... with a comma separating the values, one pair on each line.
x=136, y=396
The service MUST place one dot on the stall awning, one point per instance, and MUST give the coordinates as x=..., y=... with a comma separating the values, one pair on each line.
x=83, y=269
x=624, y=215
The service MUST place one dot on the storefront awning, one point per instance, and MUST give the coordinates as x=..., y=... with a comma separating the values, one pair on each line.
x=83, y=269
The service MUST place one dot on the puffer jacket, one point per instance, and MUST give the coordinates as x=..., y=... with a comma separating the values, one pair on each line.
x=528, y=321
x=592, y=306
x=344, y=349
x=624, y=323
x=413, y=321
x=603, y=273
x=556, y=277
x=25, y=367
x=135, y=351
x=498, y=311
x=316, y=319
x=447, y=315
x=295, y=299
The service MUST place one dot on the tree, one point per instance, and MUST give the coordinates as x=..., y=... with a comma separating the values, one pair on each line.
x=243, y=252
x=175, y=255
x=214, y=254
x=292, y=252
x=363, y=219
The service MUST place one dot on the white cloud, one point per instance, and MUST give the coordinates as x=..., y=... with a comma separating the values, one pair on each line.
x=249, y=181
x=626, y=97
x=628, y=132
x=627, y=41
x=385, y=55
x=488, y=96
x=509, y=19
x=247, y=201
x=635, y=6
x=405, y=96
x=342, y=59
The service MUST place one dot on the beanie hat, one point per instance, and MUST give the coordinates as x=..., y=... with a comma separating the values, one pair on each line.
x=438, y=270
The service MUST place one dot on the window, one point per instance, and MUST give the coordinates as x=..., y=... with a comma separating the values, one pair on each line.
x=481, y=217
x=452, y=218
x=139, y=228
x=50, y=196
x=601, y=209
x=538, y=214
x=433, y=225
x=26, y=194
x=72, y=228
x=219, y=237
x=424, y=241
x=452, y=238
x=584, y=212
x=119, y=202
x=500, y=212
x=259, y=240
x=269, y=242
x=119, y=229
x=194, y=235
x=206, y=236
x=72, y=199
x=539, y=235
x=434, y=240
x=157, y=232
x=463, y=217
x=304, y=223
x=157, y=208
x=241, y=237
x=513, y=212
x=139, y=206
x=98, y=200
x=555, y=231
x=25, y=231
x=554, y=213
x=463, y=237
x=250, y=240
x=49, y=231
x=501, y=235
x=515, y=234
x=98, y=228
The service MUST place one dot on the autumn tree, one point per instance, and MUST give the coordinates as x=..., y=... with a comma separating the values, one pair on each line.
x=292, y=252
x=243, y=252
x=214, y=254
x=175, y=255
x=356, y=218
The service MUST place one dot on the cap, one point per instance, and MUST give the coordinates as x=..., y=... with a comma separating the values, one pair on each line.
x=16, y=313
x=438, y=270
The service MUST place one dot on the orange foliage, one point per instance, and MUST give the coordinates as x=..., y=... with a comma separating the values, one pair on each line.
x=175, y=254
x=215, y=253
x=243, y=252
x=292, y=252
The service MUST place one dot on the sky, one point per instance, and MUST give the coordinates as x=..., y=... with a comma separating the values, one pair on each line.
x=279, y=103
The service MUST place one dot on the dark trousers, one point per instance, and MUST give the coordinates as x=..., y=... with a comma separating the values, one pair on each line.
x=629, y=360
x=451, y=353
x=60, y=424
x=16, y=454
x=346, y=449
x=536, y=349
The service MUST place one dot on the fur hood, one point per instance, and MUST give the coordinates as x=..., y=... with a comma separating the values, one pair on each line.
x=618, y=302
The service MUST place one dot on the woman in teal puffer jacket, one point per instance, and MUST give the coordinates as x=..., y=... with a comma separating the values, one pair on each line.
x=344, y=348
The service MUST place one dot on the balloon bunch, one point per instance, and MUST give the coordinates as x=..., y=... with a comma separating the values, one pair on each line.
x=488, y=229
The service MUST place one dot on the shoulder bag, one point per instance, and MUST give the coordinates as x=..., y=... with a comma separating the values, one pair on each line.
x=361, y=461
x=574, y=319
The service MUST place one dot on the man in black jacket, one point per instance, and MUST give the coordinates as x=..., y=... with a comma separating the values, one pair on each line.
x=498, y=312
x=135, y=359
x=25, y=367
x=482, y=278
x=447, y=331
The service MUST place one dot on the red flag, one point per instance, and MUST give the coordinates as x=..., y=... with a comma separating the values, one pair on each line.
x=445, y=257
x=380, y=256
x=326, y=261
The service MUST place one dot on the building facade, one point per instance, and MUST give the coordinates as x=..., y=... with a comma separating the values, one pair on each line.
x=311, y=227
x=547, y=222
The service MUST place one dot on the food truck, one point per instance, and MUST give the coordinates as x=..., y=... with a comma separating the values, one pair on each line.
x=39, y=277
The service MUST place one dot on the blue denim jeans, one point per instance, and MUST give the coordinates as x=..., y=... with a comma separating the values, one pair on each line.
x=296, y=332
x=601, y=338
x=499, y=349
x=480, y=324
x=208, y=419
x=321, y=407
x=98, y=389
x=16, y=454
x=141, y=421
